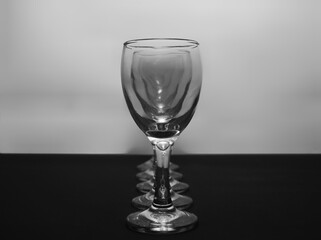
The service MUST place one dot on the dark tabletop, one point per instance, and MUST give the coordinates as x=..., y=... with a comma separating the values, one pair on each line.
x=68, y=196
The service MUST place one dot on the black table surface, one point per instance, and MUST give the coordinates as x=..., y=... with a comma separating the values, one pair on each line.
x=88, y=196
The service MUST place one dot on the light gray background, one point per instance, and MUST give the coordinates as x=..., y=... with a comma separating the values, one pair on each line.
x=60, y=88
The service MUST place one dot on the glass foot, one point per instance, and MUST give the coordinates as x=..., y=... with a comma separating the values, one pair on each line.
x=149, y=174
x=145, y=201
x=176, y=186
x=149, y=165
x=156, y=221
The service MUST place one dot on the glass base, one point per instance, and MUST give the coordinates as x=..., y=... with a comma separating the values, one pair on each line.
x=145, y=201
x=176, y=186
x=149, y=165
x=156, y=221
x=149, y=174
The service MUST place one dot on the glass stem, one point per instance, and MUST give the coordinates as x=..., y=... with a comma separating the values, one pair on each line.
x=162, y=188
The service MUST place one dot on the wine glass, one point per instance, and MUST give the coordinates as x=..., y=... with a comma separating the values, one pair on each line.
x=161, y=80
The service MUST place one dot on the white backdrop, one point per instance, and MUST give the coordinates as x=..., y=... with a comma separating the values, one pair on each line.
x=60, y=86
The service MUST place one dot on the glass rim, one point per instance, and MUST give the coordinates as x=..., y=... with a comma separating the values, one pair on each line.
x=165, y=43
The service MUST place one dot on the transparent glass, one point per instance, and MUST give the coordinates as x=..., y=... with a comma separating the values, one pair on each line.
x=177, y=186
x=161, y=80
x=149, y=164
x=146, y=187
x=148, y=174
x=147, y=183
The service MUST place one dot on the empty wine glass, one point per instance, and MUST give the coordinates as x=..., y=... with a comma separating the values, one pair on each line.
x=161, y=80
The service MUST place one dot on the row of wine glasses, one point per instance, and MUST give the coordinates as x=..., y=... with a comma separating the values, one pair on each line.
x=146, y=175
x=161, y=81
x=144, y=201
